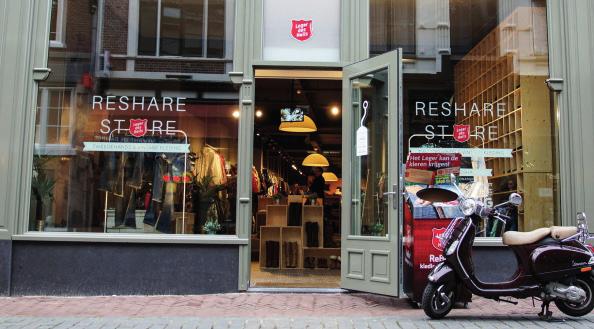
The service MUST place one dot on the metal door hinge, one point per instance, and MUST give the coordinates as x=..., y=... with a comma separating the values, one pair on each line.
x=41, y=73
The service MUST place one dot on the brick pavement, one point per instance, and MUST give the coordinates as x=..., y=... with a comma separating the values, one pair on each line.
x=261, y=310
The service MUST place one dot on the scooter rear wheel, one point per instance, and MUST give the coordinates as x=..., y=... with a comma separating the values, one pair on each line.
x=581, y=309
x=437, y=301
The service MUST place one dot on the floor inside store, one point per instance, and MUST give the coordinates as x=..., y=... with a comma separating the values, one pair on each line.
x=294, y=278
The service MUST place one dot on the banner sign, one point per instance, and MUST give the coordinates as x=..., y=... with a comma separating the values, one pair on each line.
x=136, y=147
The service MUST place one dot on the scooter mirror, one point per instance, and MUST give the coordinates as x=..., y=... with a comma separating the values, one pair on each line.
x=435, y=194
x=581, y=216
x=515, y=199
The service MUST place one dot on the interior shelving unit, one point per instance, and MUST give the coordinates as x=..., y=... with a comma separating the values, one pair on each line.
x=509, y=67
x=276, y=229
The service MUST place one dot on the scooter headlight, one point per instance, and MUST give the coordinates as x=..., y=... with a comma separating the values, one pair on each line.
x=468, y=207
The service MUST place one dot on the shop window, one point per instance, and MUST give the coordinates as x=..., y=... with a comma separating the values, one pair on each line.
x=182, y=28
x=146, y=156
x=486, y=101
x=58, y=23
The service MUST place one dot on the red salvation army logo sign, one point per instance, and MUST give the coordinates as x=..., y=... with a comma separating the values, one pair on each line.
x=301, y=29
x=436, y=239
x=138, y=127
x=462, y=133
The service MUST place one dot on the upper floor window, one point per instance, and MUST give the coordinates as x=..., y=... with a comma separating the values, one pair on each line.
x=58, y=23
x=188, y=28
x=55, y=120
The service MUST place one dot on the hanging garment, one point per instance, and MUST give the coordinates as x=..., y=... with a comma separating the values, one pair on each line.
x=165, y=216
x=130, y=217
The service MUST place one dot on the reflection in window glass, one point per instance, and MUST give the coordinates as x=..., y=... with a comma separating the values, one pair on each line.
x=216, y=28
x=147, y=31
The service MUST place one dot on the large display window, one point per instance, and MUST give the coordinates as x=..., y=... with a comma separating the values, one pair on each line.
x=123, y=145
x=474, y=85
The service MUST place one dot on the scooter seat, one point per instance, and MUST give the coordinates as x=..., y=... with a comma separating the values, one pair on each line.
x=513, y=238
x=563, y=232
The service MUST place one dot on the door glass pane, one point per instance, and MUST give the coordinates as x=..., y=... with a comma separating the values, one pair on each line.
x=370, y=172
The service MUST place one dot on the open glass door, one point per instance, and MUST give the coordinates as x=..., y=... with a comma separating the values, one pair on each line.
x=371, y=146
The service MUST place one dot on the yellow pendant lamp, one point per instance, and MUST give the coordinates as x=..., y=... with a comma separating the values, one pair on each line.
x=330, y=177
x=315, y=160
x=305, y=126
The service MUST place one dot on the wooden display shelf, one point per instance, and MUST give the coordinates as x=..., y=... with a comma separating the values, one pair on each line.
x=313, y=214
x=276, y=215
x=292, y=234
x=268, y=233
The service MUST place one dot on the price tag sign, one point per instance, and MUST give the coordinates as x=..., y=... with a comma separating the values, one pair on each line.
x=362, y=141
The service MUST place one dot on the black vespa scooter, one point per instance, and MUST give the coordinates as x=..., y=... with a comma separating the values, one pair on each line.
x=554, y=264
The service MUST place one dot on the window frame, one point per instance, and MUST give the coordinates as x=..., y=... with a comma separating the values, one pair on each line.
x=42, y=147
x=60, y=40
x=204, y=41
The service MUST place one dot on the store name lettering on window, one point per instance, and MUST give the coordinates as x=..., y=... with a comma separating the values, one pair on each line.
x=138, y=127
x=447, y=109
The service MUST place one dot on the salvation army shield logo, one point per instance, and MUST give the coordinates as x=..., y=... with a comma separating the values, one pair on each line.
x=436, y=239
x=301, y=29
x=462, y=133
x=138, y=127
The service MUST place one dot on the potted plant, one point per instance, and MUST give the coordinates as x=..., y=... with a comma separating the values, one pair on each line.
x=42, y=190
x=377, y=229
x=205, y=193
x=212, y=225
x=277, y=197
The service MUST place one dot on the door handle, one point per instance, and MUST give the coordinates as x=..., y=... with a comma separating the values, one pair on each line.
x=394, y=193
x=244, y=200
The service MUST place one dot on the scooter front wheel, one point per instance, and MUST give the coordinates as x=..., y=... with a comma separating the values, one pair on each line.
x=583, y=308
x=438, y=300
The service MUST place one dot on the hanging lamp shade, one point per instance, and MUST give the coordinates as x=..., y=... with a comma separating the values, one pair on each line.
x=330, y=177
x=305, y=126
x=315, y=160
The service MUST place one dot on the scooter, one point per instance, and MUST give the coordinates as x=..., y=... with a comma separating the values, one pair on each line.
x=554, y=264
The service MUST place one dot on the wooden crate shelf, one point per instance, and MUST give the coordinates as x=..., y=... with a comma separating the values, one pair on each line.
x=509, y=67
x=292, y=234
x=313, y=214
x=276, y=215
x=268, y=233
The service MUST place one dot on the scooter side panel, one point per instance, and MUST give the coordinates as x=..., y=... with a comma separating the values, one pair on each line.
x=555, y=261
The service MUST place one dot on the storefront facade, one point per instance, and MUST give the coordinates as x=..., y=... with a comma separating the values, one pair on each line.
x=145, y=97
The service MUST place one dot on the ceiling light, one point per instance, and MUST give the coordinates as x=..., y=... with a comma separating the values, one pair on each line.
x=258, y=114
x=305, y=126
x=330, y=177
x=315, y=160
x=294, y=167
x=335, y=111
x=236, y=114
x=298, y=91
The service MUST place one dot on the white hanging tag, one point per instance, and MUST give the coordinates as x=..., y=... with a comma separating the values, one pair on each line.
x=362, y=141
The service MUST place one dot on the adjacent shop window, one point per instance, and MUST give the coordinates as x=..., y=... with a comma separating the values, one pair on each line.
x=58, y=23
x=117, y=155
x=476, y=104
x=187, y=28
